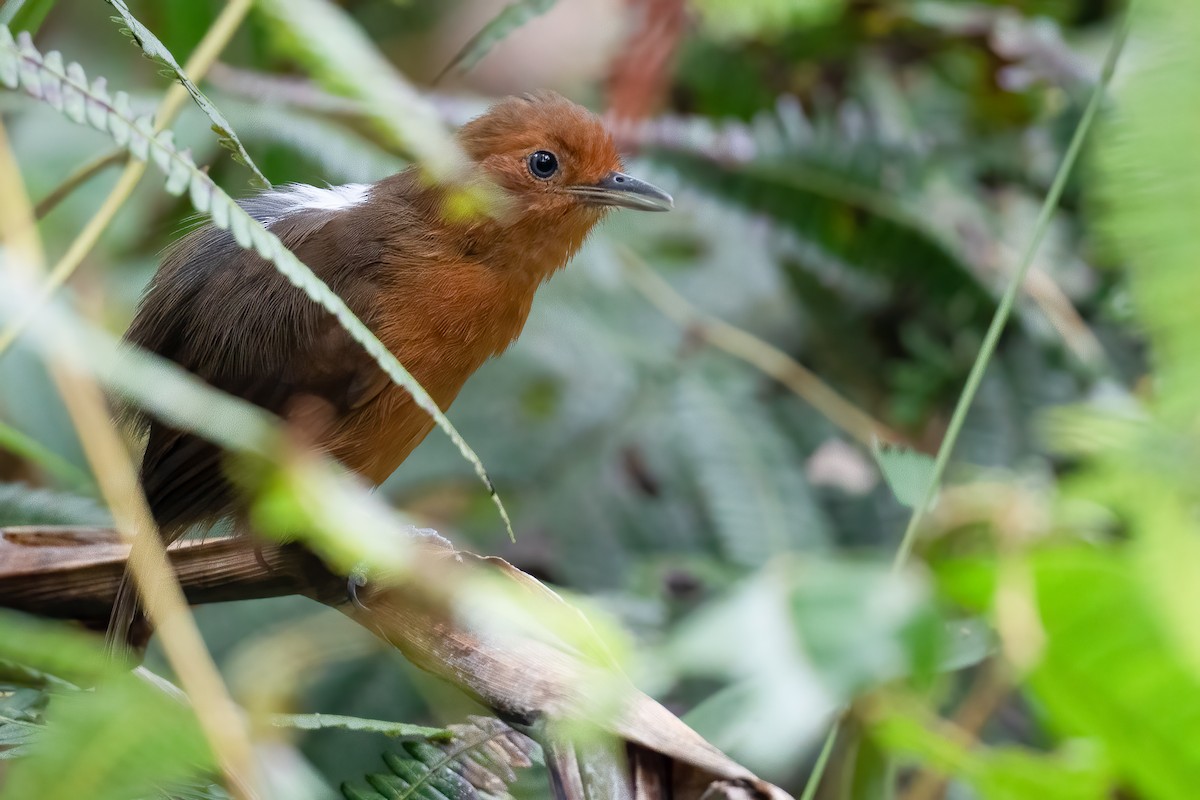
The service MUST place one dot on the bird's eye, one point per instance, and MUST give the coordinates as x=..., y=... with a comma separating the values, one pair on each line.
x=543, y=164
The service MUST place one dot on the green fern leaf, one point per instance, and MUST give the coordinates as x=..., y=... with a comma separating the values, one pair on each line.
x=156, y=50
x=834, y=208
x=66, y=90
x=479, y=762
x=751, y=481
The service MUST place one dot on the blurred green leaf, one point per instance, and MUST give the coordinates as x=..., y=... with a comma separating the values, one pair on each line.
x=122, y=738
x=513, y=16
x=1149, y=182
x=156, y=50
x=29, y=448
x=908, y=473
x=1108, y=671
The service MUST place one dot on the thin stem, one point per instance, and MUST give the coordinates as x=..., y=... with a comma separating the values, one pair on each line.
x=216, y=712
x=83, y=174
x=1006, y=302
x=814, y=782
x=197, y=65
x=1001, y=317
x=765, y=356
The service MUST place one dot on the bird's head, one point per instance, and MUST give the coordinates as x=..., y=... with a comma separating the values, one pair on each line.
x=555, y=160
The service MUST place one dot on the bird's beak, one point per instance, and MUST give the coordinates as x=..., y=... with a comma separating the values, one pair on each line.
x=624, y=191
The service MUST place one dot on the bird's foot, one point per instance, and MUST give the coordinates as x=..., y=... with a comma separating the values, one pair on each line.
x=354, y=582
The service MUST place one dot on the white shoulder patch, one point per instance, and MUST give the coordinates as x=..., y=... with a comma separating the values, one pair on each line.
x=272, y=206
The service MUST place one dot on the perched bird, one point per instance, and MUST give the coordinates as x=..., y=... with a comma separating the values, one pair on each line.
x=444, y=293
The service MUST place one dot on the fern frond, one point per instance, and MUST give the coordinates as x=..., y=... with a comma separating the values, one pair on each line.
x=66, y=89
x=156, y=50
x=834, y=210
x=479, y=762
x=751, y=480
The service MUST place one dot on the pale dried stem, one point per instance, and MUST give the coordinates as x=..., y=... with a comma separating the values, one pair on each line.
x=759, y=353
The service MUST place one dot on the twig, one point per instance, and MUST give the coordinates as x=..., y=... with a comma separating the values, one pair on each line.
x=527, y=672
x=765, y=356
x=216, y=713
x=987, y=692
x=82, y=174
x=197, y=66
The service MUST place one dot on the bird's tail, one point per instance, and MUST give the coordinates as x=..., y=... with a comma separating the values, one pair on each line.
x=126, y=613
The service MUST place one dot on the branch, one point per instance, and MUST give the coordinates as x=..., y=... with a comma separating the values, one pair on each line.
x=73, y=573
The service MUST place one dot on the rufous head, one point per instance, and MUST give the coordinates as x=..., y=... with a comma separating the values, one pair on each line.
x=555, y=159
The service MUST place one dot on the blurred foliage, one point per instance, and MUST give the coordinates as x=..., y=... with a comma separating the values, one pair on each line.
x=854, y=183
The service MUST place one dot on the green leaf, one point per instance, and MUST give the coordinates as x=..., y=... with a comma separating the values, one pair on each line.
x=907, y=472
x=25, y=15
x=121, y=738
x=1149, y=183
x=513, y=16
x=313, y=722
x=44, y=78
x=1109, y=671
x=156, y=50
x=799, y=641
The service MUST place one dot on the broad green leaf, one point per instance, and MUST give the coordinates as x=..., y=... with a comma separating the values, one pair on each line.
x=121, y=738
x=513, y=16
x=907, y=472
x=1109, y=672
x=800, y=640
x=156, y=50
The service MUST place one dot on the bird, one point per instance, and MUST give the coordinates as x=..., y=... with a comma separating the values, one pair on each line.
x=443, y=291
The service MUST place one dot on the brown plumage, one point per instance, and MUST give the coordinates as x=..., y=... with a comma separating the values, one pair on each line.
x=443, y=295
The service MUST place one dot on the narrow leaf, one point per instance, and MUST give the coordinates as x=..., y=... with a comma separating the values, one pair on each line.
x=117, y=118
x=513, y=16
x=314, y=722
x=156, y=50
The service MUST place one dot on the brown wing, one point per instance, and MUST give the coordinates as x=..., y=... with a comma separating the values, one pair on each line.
x=226, y=315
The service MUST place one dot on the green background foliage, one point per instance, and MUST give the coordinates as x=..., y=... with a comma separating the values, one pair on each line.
x=855, y=184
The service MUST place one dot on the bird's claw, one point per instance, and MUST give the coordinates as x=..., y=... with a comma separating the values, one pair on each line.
x=355, y=581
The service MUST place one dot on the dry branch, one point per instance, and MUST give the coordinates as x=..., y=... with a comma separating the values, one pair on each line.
x=73, y=573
